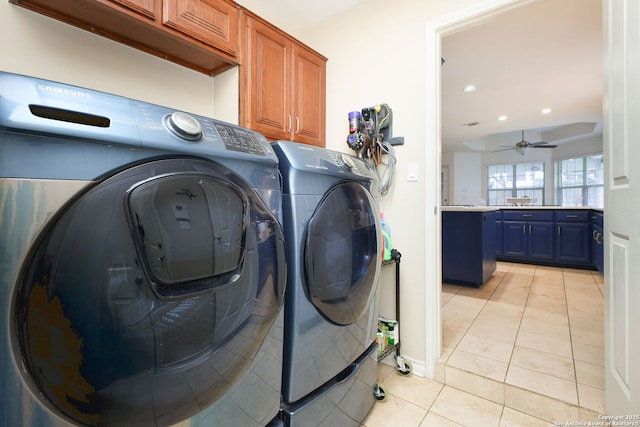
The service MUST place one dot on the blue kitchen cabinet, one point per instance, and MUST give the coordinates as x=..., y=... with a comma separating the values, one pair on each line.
x=514, y=239
x=468, y=246
x=597, y=243
x=572, y=239
x=573, y=243
x=527, y=235
x=498, y=215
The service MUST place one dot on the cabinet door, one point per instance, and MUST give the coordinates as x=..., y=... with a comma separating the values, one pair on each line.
x=268, y=83
x=540, y=245
x=308, y=97
x=499, y=237
x=214, y=22
x=597, y=247
x=572, y=242
x=514, y=239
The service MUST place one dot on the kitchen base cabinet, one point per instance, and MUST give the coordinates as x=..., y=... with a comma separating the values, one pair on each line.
x=531, y=239
x=554, y=237
x=572, y=237
x=597, y=243
x=572, y=243
x=468, y=247
x=498, y=233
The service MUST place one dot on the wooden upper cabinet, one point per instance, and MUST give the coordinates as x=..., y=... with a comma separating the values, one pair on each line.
x=309, y=97
x=267, y=78
x=199, y=34
x=283, y=86
x=212, y=22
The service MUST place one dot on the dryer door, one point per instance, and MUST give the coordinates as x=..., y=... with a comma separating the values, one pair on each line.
x=147, y=297
x=342, y=253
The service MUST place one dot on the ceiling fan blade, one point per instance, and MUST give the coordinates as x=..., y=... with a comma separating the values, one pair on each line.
x=538, y=143
x=504, y=149
x=543, y=146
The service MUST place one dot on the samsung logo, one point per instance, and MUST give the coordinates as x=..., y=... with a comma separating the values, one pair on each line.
x=64, y=91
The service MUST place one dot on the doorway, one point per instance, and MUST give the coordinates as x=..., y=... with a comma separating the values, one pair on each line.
x=440, y=30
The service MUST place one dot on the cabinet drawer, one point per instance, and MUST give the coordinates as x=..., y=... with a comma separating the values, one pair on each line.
x=527, y=215
x=572, y=216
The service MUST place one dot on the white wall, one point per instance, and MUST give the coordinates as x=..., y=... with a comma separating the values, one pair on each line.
x=467, y=188
x=377, y=55
x=41, y=47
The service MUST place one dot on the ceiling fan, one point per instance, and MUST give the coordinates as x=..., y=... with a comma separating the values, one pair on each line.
x=523, y=146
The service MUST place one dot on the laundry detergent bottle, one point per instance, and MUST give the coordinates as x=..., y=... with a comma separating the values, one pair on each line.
x=386, y=238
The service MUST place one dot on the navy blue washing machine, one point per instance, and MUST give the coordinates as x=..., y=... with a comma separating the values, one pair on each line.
x=331, y=226
x=142, y=263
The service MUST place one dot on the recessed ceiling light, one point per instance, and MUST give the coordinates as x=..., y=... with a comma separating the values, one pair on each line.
x=546, y=110
x=503, y=118
x=470, y=88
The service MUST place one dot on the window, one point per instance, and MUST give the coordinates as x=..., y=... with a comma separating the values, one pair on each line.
x=515, y=180
x=580, y=181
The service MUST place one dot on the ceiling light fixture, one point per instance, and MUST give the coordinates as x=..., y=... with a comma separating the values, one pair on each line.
x=502, y=118
x=546, y=110
x=469, y=88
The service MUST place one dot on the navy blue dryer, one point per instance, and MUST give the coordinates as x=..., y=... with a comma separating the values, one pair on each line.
x=142, y=263
x=331, y=226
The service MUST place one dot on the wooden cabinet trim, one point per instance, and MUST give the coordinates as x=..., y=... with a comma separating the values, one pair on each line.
x=143, y=7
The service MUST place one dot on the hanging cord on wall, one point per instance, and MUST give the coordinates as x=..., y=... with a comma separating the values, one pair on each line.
x=386, y=167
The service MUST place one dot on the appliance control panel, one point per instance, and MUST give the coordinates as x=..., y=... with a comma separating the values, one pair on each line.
x=45, y=107
x=239, y=139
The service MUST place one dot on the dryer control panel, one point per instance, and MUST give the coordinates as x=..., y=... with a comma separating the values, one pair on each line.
x=307, y=168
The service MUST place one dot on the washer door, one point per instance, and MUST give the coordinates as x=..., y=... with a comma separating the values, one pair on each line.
x=342, y=253
x=147, y=296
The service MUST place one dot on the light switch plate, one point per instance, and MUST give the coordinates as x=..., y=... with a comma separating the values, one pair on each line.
x=412, y=172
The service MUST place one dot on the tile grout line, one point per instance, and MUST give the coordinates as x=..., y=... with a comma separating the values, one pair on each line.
x=573, y=356
x=518, y=332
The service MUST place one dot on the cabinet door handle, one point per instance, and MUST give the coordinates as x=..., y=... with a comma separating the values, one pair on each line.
x=290, y=123
x=297, y=125
x=529, y=228
x=527, y=215
x=558, y=230
x=599, y=238
x=524, y=229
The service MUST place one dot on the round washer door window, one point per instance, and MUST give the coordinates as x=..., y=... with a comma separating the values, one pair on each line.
x=148, y=296
x=342, y=253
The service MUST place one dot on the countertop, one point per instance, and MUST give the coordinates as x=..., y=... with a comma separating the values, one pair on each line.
x=496, y=208
x=470, y=208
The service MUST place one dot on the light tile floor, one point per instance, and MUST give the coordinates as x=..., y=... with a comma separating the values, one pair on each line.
x=525, y=349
